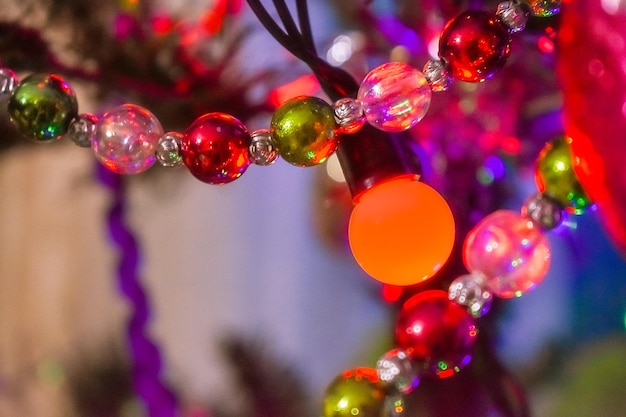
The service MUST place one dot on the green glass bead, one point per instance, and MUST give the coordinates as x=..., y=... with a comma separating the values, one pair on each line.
x=42, y=107
x=303, y=131
x=555, y=175
x=355, y=393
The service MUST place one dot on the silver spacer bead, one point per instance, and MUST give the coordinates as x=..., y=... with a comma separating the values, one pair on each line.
x=437, y=74
x=513, y=15
x=261, y=150
x=543, y=210
x=469, y=290
x=168, y=149
x=8, y=82
x=82, y=130
x=349, y=115
x=395, y=369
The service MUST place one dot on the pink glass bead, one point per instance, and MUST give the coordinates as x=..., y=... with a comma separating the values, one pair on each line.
x=126, y=139
x=511, y=251
x=215, y=148
x=395, y=96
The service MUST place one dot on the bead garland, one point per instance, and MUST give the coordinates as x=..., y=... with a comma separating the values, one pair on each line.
x=506, y=254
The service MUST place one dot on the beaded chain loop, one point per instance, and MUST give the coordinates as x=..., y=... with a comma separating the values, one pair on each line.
x=506, y=254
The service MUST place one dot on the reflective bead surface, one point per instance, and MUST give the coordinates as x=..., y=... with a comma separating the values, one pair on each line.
x=396, y=370
x=215, y=148
x=513, y=15
x=475, y=45
x=8, y=82
x=544, y=8
x=437, y=74
x=543, y=210
x=438, y=334
x=354, y=393
x=395, y=96
x=82, y=130
x=168, y=149
x=262, y=151
x=42, y=107
x=126, y=139
x=303, y=131
x=555, y=176
x=511, y=251
x=349, y=115
x=469, y=290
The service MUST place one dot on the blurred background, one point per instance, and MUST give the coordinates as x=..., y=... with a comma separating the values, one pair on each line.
x=256, y=275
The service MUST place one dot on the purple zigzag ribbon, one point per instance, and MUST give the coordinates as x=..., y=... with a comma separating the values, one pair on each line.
x=145, y=357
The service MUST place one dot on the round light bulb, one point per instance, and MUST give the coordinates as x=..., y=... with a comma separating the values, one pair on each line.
x=401, y=231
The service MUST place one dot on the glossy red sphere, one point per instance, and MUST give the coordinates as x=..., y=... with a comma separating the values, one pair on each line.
x=474, y=45
x=437, y=333
x=215, y=148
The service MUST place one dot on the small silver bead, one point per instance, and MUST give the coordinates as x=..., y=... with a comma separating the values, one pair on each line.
x=8, y=82
x=469, y=290
x=437, y=74
x=513, y=15
x=82, y=130
x=168, y=149
x=395, y=369
x=261, y=150
x=543, y=210
x=349, y=115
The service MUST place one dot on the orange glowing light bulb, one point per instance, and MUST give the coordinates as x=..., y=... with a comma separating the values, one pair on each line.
x=401, y=231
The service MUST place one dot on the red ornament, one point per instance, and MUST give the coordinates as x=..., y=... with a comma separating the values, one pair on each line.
x=215, y=148
x=475, y=45
x=591, y=49
x=437, y=333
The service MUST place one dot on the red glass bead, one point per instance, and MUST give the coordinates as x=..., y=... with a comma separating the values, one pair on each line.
x=437, y=333
x=215, y=148
x=475, y=45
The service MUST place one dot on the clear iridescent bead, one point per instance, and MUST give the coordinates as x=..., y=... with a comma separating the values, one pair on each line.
x=513, y=15
x=395, y=96
x=8, y=82
x=168, y=149
x=437, y=74
x=349, y=115
x=261, y=150
x=469, y=290
x=543, y=210
x=544, y=8
x=396, y=370
x=82, y=130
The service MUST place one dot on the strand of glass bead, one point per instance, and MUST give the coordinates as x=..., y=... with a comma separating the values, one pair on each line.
x=217, y=148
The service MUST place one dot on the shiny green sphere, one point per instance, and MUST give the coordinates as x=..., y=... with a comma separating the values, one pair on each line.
x=355, y=393
x=555, y=176
x=42, y=107
x=303, y=131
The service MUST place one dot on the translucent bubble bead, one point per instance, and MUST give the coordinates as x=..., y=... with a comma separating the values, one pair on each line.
x=469, y=290
x=126, y=139
x=510, y=250
x=396, y=369
x=395, y=96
